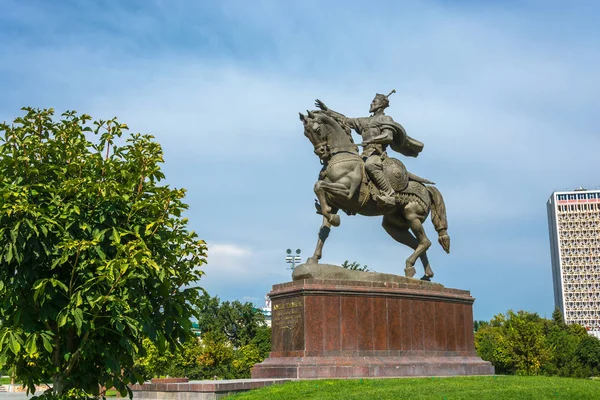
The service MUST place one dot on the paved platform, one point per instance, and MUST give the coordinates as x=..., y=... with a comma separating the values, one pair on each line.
x=199, y=390
x=15, y=396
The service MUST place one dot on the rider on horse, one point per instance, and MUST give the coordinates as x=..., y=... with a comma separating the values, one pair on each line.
x=378, y=131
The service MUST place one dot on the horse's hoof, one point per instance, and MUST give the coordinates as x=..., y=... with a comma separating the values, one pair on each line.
x=410, y=272
x=426, y=278
x=429, y=272
x=334, y=220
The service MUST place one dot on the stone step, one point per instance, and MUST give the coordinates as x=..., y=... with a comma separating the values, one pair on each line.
x=202, y=389
x=3, y=388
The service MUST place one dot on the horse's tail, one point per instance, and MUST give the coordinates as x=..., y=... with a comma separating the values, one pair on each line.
x=438, y=217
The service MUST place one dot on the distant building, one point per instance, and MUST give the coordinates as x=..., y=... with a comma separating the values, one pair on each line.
x=574, y=226
x=196, y=329
x=266, y=310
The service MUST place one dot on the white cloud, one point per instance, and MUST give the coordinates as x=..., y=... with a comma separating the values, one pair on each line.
x=228, y=255
x=234, y=270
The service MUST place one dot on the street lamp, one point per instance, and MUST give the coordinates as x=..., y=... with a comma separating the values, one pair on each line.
x=290, y=259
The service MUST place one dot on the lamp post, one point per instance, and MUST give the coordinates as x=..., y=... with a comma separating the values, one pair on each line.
x=290, y=259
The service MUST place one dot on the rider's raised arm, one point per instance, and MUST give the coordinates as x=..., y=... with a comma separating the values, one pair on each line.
x=340, y=116
x=335, y=114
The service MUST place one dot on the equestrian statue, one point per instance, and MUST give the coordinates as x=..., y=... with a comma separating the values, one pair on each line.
x=372, y=183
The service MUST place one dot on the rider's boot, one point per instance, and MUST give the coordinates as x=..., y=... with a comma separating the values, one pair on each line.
x=386, y=197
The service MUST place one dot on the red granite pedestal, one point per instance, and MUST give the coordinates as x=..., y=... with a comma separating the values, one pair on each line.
x=342, y=329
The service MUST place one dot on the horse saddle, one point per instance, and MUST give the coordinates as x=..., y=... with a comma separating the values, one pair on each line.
x=399, y=178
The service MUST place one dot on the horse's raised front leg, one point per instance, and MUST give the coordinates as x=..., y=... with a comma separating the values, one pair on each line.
x=398, y=229
x=323, y=234
x=326, y=209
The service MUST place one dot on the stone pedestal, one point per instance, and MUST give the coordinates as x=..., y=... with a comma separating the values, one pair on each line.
x=342, y=329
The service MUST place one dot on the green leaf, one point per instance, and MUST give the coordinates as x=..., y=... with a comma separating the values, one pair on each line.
x=78, y=314
x=115, y=236
x=62, y=318
x=31, y=345
x=149, y=228
x=100, y=252
x=39, y=284
x=3, y=335
x=15, y=232
x=47, y=344
x=56, y=282
x=9, y=253
x=78, y=299
x=13, y=344
x=32, y=227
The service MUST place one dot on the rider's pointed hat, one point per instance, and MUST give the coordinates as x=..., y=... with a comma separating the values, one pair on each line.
x=385, y=99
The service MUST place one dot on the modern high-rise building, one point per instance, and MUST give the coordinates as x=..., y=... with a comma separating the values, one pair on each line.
x=574, y=225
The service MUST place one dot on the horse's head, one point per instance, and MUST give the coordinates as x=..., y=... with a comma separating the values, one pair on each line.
x=325, y=133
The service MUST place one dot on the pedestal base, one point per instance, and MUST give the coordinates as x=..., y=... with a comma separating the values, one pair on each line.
x=343, y=329
x=370, y=367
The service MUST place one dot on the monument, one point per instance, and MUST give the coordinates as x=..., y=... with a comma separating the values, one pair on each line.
x=333, y=322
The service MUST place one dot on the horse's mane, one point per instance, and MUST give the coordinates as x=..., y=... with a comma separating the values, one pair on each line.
x=339, y=120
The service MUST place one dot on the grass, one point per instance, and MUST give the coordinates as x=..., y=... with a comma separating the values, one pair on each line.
x=456, y=388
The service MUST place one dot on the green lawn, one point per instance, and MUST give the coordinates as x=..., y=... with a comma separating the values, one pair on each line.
x=480, y=388
x=4, y=381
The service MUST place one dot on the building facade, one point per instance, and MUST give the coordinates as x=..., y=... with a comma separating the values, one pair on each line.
x=266, y=310
x=574, y=226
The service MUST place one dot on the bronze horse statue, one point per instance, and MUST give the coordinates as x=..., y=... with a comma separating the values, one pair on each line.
x=343, y=185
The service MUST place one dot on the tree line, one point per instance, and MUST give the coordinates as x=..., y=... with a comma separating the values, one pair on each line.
x=233, y=337
x=524, y=343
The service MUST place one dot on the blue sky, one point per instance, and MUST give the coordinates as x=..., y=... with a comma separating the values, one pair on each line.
x=503, y=94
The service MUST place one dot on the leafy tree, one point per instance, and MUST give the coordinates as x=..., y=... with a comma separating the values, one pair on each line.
x=588, y=353
x=354, y=266
x=262, y=341
x=238, y=322
x=179, y=364
x=557, y=318
x=154, y=363
x=479, y=324
x=246, y=357
x=523, y=343
x=95, y=254
x=216, y=357
x=514, y=343
x=234, y=338
x=492, y=345
x=564, y=341
x=529, y=346
x=187, y=361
